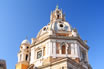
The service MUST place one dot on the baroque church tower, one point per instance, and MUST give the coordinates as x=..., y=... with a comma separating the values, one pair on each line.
x=23, y=55
x=57, y=46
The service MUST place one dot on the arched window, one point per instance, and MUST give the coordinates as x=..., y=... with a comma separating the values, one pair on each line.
x=83, y=55
x=39, y=54
x=63, y=49
x=58, y=16
x=26, y=57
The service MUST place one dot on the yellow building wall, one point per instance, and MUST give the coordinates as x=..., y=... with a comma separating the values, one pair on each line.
x=21, y=66
x=24, y=66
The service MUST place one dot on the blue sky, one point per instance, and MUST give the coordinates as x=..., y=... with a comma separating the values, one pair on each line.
x=21, y=18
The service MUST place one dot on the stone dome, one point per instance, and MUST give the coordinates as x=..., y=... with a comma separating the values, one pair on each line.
x=25, y=41
x=63, y=26
x=53, y=28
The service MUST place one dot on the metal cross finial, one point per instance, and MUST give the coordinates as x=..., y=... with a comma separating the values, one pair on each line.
x=57, y=6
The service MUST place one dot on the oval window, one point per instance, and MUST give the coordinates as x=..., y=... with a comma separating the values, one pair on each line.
x=44, y=28
x=61, y=25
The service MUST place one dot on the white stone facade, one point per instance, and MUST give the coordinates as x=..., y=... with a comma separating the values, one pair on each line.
x=57, y=46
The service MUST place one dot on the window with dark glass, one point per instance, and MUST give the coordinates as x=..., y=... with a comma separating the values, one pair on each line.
x=39, y=54
x=27, y=47
x=61, y=25
x=44, y=28
x=57, y=11
x=63, y=49
x=83, y=56
x=26, y=57
x=58, y=16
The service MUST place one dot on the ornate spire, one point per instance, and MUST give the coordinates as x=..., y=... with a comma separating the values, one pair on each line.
x=57, y=14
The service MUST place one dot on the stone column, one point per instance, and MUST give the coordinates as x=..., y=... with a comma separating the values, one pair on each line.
x=77, y=51
x=46, y=52
x=19, y=57
x=72, y=50
x=66, y=50
x=42, y=52
x=50, y=49
x=33, y=55
x=23, y=56
x=54, y=49
x=60, y=50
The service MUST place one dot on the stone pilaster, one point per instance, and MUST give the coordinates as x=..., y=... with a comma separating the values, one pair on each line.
x=54, y=49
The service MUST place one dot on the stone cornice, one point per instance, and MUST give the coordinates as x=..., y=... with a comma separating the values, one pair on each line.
x=62, y=37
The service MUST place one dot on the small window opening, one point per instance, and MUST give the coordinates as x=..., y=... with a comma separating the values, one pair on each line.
x=57, y=11
x=61, y=25
x=44, y=29
x=63, y=49
x=58, y=16
x=39, y=54
x=26, y=57
x=27, y=47
x=83, y=56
